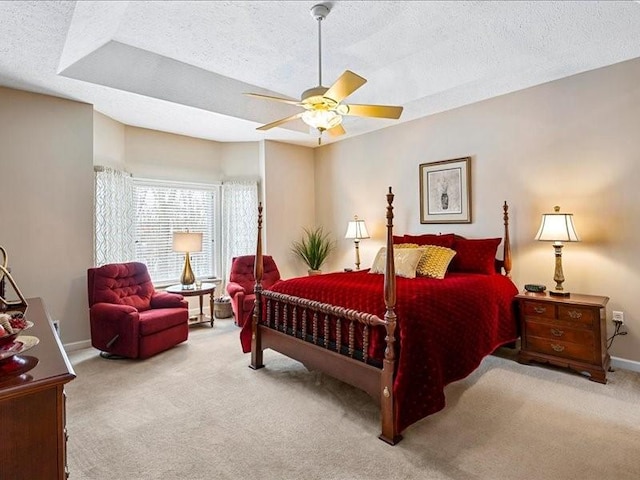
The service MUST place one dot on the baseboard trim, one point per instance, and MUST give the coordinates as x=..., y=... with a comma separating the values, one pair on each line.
x=617, y=362
x=73, y=346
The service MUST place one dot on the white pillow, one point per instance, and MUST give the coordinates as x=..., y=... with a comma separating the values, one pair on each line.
x=405, y=259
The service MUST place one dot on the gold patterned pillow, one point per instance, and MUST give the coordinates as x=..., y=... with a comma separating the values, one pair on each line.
x=405, y=260
x=434, y=260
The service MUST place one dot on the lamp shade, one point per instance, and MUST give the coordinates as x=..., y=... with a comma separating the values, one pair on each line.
x=187, y=242
x=357, y=229
x=557, y=227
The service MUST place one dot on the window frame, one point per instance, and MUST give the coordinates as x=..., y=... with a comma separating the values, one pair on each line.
x=215, y=188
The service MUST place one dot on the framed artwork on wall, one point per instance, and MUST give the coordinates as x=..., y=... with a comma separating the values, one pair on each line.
x=445, y=191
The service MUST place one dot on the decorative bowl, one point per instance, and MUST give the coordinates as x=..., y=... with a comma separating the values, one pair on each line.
x=13, y=325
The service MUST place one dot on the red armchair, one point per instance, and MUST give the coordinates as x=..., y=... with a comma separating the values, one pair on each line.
x=128, y=317
x=242, y=282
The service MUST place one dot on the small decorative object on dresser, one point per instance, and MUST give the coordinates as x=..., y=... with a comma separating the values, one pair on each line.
x=5, y=274
x=565, y=331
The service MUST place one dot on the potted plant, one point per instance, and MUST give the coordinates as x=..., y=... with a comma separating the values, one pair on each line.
x=314, y=248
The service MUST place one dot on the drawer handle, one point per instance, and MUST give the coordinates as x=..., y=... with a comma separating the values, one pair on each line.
x=575, y=314
x=557, y=348
x=539, y=309
x=557, y=333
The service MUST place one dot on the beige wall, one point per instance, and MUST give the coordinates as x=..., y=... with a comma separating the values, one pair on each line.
x=241, y=161
x=165, y=156
x=288, y=201
x=108, y=142
x=46, y=173
x=572, y=142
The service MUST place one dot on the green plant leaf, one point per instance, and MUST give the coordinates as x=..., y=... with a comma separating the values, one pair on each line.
x=314, y=247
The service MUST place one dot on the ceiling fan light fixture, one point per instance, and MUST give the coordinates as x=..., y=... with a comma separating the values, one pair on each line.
x=323, y=107
x=322, y=119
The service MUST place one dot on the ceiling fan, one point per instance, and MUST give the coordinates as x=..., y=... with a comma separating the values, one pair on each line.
x=322, y=106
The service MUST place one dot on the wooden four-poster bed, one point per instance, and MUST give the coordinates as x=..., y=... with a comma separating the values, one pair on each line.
x=431, y=332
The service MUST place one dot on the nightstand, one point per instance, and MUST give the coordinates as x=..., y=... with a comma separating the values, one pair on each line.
x=565, y=331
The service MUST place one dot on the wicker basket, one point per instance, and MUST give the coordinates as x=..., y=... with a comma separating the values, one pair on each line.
x=222, y=309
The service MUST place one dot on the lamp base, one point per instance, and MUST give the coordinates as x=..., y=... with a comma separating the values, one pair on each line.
x=559, y=293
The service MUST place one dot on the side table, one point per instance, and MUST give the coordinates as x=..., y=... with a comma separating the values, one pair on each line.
x=204, y=289
x=565, y=331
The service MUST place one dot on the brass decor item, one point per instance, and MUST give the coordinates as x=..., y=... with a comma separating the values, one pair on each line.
x=187, y=242
x=5, y=274
x=322, y=108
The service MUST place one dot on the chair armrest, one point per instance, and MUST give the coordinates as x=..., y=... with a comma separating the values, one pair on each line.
x=110, y=310
x=234, y=288
x=168, y=300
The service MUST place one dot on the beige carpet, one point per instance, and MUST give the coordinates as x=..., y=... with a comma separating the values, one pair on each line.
x=198, y=412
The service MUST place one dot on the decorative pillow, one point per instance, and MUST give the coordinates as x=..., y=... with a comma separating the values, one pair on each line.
x=445, y=240
x=405, y=260
x=434, y=261
x=475, y=255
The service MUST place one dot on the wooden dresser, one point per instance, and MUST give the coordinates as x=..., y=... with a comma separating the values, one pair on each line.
x=565, y=331
x=32, y=407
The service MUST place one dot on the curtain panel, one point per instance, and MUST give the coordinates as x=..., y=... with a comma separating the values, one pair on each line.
x=114, y=229
x=239, y=222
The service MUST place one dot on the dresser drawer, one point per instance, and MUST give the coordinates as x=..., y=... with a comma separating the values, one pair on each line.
x=570, y=313
x=558, y=332
x=539, y=310
x=559, y=348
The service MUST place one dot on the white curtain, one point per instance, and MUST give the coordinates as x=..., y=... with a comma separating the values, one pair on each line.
x=239, y=222
x=114, y=240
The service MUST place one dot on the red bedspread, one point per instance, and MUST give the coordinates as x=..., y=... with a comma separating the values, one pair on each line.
x=445, y=327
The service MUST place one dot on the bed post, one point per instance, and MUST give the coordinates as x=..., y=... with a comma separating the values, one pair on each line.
x=258, y=270
x=387, y=404
x=506, y=249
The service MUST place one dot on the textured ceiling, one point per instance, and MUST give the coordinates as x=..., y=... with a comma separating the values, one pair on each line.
x=183, y=66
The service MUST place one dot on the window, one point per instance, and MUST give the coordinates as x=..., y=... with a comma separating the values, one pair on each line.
x=162, y=208
x=135, y=220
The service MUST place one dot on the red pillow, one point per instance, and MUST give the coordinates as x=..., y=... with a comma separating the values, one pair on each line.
x=445, y=240
x=475, y=255
x=397, y=239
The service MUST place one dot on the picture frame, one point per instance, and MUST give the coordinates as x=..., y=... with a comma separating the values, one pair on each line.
x=445, y=191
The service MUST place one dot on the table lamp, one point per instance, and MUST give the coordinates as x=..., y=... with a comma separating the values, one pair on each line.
x=557, y=228
x=187, y=242
x=357, y=230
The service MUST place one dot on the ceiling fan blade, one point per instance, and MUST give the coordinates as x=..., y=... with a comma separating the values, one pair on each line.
x=344, y=86
x=277, y=99
x=337, y=131
x=379, y=111
x=280, y=122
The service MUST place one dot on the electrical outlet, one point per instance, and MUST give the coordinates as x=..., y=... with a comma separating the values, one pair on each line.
x=618, y=317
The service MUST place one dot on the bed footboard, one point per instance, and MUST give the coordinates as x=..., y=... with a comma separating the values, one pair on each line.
x=302, y=329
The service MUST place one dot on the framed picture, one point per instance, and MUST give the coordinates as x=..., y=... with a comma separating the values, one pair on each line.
x=445, y=191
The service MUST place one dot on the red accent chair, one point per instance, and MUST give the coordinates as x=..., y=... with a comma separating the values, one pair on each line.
x=242, y=282
x=128, y=317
